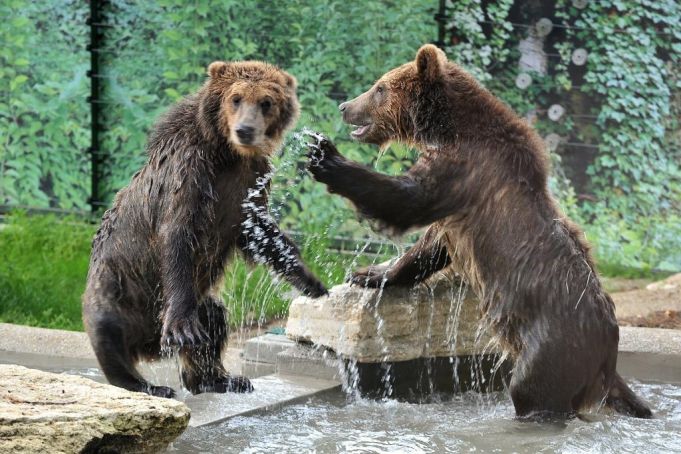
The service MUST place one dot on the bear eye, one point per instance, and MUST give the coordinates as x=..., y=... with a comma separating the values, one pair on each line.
x=236, y=100
x=265, y=105
x=379, y=89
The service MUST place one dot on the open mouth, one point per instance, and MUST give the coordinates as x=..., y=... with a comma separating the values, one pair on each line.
x=360, y=131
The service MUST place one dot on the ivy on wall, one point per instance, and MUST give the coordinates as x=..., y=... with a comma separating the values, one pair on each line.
x=632, y=73
x=634, y=49
x=618, y=127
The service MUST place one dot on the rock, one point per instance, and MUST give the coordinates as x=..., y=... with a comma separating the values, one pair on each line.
x=59, y=413
x=643, y=307
x=394, y=324
x=671, y=283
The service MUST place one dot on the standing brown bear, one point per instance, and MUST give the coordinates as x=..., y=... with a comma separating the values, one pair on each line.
x=159, y=255
x=480, y=185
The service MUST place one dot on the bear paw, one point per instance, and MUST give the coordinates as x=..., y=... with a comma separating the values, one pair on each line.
x=161, y=391
x=323, y=157
x=183, y=331
x=315, y=290
x=371, y=276
x=225, y=384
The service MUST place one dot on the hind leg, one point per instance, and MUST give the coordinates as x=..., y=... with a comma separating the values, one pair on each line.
x=111, y=341
x=545, y=384
x=623, y=400
x=202, y=369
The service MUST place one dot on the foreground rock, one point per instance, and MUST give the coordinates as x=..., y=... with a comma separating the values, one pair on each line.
x=395, y=324
x=59, y=413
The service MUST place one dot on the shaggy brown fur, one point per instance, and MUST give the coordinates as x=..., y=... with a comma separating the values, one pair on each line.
x=159, y=255
x=480, y=185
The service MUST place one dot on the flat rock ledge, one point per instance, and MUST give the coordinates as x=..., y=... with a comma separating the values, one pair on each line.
x=59, y=413
x=393, y=324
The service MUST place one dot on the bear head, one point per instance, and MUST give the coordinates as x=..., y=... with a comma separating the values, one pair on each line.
x=250, y=104
x=403, y=103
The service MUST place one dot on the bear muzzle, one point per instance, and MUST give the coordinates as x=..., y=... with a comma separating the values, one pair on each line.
x=245, y=134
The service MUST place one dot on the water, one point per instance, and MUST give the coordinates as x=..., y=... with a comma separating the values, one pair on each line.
x=334, y=423
x=340, y=422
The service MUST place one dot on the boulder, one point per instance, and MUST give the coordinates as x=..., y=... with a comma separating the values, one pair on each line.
x=440, y=319
x=60, y=413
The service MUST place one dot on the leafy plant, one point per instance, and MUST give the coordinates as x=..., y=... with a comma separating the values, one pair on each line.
x=44, y=128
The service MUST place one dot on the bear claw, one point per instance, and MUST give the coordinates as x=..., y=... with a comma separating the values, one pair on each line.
x=370, y=277
x=184, y=333
x=161, y=391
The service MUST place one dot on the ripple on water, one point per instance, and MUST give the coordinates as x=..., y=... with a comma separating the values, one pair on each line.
x=335, y=424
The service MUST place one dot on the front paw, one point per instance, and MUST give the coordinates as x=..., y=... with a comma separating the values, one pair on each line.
x=183, y=331
x=234, y=384
x=375, y=276
x=323, y=157
x=161, y=391
x=315, y=290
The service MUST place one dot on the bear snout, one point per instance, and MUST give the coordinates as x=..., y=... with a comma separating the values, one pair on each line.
x=245, y=134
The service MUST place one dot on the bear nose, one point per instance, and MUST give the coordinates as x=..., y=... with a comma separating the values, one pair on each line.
x=245, y=133
x=343, y=106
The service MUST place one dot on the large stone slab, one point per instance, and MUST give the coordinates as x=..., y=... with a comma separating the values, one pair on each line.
x=60, y=413
x=394, y=324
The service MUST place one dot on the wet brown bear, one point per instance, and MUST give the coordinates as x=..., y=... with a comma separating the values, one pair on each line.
x=159, y=255
x=480, y=185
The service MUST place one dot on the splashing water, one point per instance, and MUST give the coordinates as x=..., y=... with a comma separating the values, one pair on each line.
x=333, y=424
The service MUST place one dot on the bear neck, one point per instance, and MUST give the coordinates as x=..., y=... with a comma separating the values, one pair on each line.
x=462, y=118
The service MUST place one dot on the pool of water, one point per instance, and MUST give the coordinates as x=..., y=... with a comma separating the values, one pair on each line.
x=471, y=422
x=468, y=423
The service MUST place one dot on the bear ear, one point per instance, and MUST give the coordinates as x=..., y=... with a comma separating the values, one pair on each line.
x=430, y=61
x=217, y=69
x=291, y=82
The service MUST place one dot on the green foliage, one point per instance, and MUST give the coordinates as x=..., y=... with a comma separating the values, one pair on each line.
x=631, y=213
x=469, y=45
x=632, y=72
x=44, y=129
x=634, y=171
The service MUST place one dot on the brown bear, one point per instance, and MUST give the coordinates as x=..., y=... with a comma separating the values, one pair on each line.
x=158, y=258
x=480, y=187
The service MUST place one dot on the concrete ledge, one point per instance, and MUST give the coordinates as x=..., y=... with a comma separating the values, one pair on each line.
x=659, y=349
x=650, y=340
x=650, y=354
x=44, y=348
x=44, y=341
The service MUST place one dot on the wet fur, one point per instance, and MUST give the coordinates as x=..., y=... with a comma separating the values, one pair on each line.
x=480, y=185
x=160, y=252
